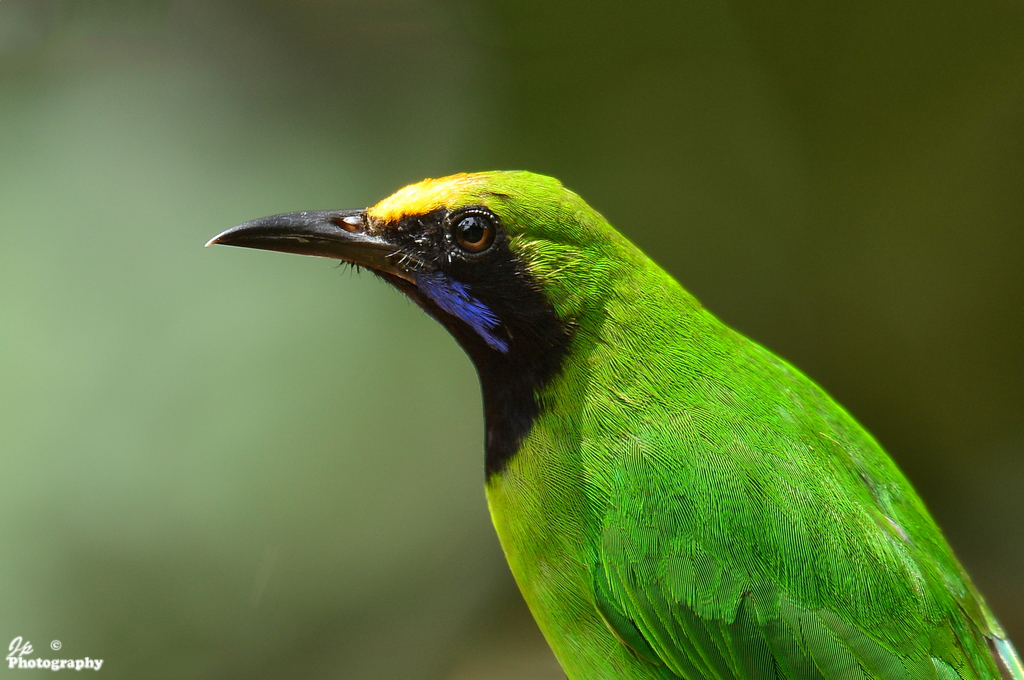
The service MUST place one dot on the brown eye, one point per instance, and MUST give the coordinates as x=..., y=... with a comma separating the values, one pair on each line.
x=474, y=232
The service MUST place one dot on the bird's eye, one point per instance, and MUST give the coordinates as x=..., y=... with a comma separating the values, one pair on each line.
x=474, y=232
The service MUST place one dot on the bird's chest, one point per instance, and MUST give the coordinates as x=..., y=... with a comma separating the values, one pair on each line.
x=548, y=533
x=543, y=530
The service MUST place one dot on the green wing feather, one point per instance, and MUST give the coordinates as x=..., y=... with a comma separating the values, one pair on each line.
x=734, y=550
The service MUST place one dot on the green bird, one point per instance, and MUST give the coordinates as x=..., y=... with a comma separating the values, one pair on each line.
x=673, y=499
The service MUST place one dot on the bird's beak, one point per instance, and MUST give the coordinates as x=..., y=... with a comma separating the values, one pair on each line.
x=337, y=234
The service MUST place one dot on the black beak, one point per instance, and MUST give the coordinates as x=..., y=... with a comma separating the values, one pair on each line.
x=337, y=234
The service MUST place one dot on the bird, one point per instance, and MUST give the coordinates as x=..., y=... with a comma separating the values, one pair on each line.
x=673, y=499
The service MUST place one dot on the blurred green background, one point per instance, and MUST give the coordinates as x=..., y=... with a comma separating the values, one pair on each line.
x=225, y=464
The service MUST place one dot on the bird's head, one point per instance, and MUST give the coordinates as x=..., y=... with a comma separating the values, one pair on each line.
x=514, y=265
x=508, y=262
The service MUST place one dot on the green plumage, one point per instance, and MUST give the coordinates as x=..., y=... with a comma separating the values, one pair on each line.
x=674, y=500
x=689, y=496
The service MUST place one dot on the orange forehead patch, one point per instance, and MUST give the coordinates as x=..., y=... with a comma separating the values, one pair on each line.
x=423, y=197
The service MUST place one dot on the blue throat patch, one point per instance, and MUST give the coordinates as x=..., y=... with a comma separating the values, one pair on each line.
x=454, y=298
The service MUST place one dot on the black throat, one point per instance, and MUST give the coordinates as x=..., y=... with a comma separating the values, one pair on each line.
x=538, y=341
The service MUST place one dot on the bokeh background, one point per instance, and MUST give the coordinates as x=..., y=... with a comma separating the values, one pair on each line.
x=225, y=463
